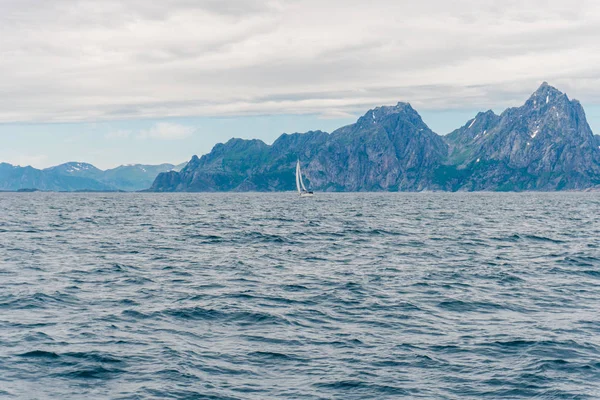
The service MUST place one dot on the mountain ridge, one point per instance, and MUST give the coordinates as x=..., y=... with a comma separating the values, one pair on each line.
x=545, y=144
x=80, y=176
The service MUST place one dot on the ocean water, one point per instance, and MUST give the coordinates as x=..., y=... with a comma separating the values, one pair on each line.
x=268, y=296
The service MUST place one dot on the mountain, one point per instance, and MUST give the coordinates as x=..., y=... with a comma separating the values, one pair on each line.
x=79, y=169
x=546, y=144
x=135, y=177
x=241, y=165
x=78, y=176
x=389, y=148
x=131, y=178
x=17, y=178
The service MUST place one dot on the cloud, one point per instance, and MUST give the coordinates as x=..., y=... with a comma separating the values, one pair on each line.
x=166, y=131
x=80, y=60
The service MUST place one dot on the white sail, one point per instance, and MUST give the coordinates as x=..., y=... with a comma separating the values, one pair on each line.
x=301, y=180
x=298, y=177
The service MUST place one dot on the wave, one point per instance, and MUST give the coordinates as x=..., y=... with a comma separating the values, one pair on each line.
x=261, y=296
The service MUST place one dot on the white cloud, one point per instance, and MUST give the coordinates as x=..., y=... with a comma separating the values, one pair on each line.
x=166, y=131
x=73, y=60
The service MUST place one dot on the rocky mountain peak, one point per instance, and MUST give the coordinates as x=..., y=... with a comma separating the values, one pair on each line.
x=546, y=96
x=476, y=129
x=482, y=119
x=379, y=114
x=547, y=138
x=550, y=113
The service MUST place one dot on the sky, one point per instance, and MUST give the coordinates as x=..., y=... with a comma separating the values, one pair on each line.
x=117, y=82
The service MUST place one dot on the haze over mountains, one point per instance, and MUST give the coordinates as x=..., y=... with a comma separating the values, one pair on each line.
x=546, y=144
x=76, y=176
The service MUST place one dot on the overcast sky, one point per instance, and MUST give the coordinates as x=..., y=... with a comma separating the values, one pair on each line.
x=114, y=82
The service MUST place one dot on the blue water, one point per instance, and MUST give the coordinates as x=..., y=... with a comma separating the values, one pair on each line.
x=268, y=296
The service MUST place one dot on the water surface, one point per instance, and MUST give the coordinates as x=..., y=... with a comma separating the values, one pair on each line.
x=268, y=296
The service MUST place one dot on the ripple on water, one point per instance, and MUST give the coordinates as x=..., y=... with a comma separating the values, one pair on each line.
x=266, y=296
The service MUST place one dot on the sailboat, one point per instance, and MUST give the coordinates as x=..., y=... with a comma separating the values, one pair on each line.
x=300, y=183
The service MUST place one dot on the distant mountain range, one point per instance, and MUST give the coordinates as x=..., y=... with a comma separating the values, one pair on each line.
x=546, y=144
x=76, y=176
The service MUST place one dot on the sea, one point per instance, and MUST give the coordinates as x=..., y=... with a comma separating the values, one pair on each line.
x=272, y=296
